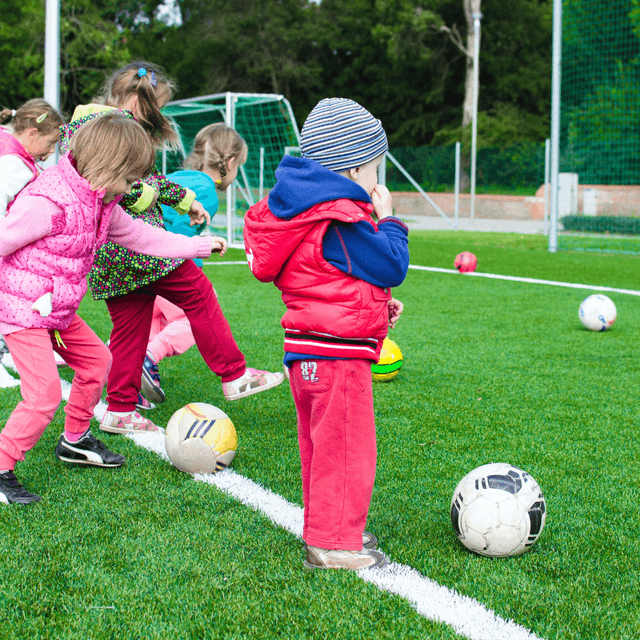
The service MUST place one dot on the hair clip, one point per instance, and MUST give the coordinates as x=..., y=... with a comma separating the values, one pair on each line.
x=13, y=113
x=41, y=117
x=152, y=78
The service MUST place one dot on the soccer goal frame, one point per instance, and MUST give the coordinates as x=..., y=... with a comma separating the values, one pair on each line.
x=264, y=120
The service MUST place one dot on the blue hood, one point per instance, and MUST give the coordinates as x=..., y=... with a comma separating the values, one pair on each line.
x=303, y=183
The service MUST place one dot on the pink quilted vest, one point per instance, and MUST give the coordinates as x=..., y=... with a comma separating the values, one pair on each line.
x=59, y=262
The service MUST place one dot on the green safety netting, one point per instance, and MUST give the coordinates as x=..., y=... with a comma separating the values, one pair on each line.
x=600, y=114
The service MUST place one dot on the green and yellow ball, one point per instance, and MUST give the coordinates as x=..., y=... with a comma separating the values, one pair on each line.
x=389, y=363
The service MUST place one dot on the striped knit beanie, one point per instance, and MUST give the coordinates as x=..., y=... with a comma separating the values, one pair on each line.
x=340, y=135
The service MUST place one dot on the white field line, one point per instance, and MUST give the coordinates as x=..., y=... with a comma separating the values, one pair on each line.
x=494, y=276
x=466, y=616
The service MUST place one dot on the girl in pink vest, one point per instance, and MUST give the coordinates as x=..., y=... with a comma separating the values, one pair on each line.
x=32, y=135
x=48, y=243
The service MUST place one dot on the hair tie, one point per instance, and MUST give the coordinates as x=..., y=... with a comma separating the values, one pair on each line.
x=41, y=117
x=152, y=78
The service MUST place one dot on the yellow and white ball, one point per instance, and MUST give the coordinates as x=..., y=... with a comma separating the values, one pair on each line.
x=389, y=362
x=200, y=438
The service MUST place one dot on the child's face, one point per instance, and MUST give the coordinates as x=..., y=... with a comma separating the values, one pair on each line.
x=41, y=147
x=367, y=175
x=121, y=187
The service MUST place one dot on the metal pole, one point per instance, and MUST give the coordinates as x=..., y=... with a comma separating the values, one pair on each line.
x=457, y=185
x=52, y=61
x=555, y=122
x=229, y=118
x=261, y=191
x=474, y=124
x=547, y=158
x=382, y=172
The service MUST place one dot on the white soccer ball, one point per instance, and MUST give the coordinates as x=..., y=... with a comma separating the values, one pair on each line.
x=597, y=312
x=200, y=438
x=498, y=510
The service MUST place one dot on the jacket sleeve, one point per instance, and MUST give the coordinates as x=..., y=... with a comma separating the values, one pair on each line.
x=141, y=237
x=378, y=257
x=30, y=218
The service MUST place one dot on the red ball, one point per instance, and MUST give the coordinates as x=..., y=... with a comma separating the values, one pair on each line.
x=466, y=262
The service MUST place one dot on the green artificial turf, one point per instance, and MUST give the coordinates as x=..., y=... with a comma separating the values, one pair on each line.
x=494, y=371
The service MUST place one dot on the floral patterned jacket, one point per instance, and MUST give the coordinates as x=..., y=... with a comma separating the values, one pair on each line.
x=116, y=270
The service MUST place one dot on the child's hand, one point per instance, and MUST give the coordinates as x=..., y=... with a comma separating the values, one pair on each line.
x=218, y=245
x=381, y=199
x=395, y=311
x=198, y=214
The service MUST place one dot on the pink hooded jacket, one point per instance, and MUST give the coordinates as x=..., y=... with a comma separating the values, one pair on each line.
x=59, y=261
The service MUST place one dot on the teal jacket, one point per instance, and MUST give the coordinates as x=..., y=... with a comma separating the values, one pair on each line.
x=205, y=190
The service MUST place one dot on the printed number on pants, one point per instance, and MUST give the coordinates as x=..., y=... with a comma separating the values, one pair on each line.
x=308, y=370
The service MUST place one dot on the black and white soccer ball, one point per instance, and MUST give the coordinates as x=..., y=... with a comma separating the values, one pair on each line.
x=498, y=510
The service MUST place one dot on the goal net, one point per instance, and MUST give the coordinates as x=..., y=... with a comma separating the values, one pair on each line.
x=599, y=160
x=266, y=123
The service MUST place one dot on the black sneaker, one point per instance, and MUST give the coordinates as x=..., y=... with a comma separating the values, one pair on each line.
x=88, y=450
x=12, y=491
x=150, y=382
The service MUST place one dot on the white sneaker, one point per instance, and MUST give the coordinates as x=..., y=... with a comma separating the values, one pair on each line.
x=253, y=381
x=340, y=559
x=131, y=423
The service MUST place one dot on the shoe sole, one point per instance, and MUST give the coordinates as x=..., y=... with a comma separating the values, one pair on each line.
x=250, y=392
x=150, y=390
x=126, y=431
x=89, y=463
x=382, y=562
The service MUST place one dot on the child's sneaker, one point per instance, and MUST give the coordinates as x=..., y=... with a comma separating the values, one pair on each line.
x=88, y=450
x=339, y=559
x=369, y=540
x=143, y=404
x=253, y=381
x=11, y=491
x=131, y=423
x=151, y=380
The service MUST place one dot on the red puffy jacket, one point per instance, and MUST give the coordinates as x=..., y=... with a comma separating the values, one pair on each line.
x=329, y=313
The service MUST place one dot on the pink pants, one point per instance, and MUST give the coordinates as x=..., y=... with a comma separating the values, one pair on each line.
x=170, y=333
x=337, y=440
x=32, y=353
x=131, y=314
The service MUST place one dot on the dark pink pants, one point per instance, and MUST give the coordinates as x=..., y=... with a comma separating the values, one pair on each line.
x=188, y=288
x=32, y=353
x=337, y=440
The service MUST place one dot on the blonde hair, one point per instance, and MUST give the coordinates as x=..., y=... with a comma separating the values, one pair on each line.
x=149, y=83
x=214, y=146
x=33, y=114
x=110, y=147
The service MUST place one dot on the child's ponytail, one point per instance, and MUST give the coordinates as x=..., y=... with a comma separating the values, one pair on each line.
x=33, y=114
x=213, y=148
x=152, y=87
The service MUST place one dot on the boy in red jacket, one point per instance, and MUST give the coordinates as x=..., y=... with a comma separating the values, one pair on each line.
x=328, y=240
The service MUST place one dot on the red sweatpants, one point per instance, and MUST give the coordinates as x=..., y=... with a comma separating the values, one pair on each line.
x=188, y=288
x=32, y=353
x=337, y=440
